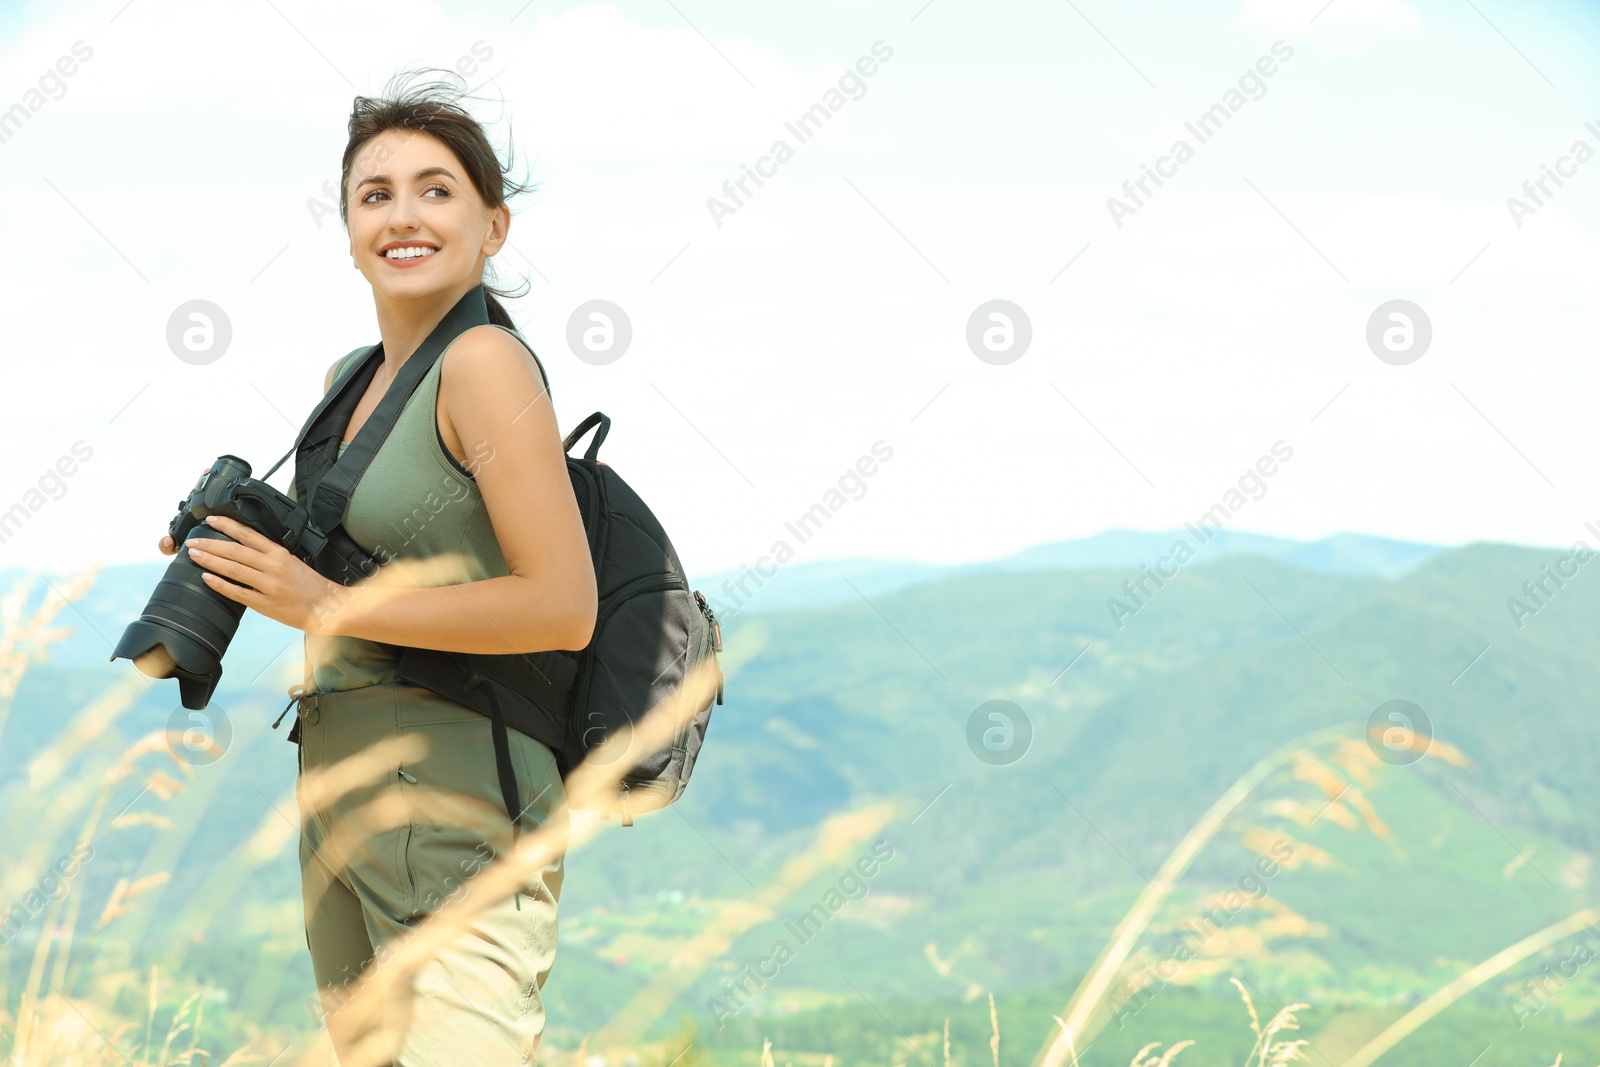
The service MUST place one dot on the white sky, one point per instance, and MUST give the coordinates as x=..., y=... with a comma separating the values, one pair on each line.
x=830, y=310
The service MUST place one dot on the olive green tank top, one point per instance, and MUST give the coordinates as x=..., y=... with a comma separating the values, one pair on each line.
x=415, y=502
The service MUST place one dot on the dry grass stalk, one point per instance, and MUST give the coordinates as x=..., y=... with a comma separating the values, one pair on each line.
x=1307, y=768
x=1369, y=818
x=1266, y=1052
x=945, y=967
x=1166, y=1058
x=25, y=642
x=175, y=1028
x=160, y=784
x=994, y=1027
x=151, y=1017
x=1268, y=844
x=1351, y=754
x=1223, y=946
x=1467, y=981
x=27, y=1014
x=45, y=769
x=1060, y=1048
x=69, y=1035
x=837, y=836
x=1097, y=982
x=1358, y=761
x=1400, y=738
x=51, y=1028
x=276, y=831
x=124, y=890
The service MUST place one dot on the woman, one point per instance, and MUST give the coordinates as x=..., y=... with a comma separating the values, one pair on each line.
x=420, y=174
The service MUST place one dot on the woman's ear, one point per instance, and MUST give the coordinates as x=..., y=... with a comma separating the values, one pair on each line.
x=499, y=229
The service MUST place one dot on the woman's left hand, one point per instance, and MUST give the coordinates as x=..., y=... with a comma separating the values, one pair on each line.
x=273, y=581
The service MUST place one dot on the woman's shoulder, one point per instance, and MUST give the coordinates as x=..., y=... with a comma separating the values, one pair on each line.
x=492, y=343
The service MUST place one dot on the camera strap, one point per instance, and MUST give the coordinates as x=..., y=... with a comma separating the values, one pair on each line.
x=363, y=369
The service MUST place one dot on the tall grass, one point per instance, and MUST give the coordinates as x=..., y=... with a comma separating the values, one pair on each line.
x=1317, y=758
x=50, y=1027
x=54, y=1026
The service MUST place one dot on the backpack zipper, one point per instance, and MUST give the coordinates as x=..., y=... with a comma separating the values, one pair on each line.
x=714, y=636
x=711, y=617
x=650, y=583
x=711, y=639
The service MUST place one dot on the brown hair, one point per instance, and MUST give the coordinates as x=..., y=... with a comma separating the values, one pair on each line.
x=432, y=108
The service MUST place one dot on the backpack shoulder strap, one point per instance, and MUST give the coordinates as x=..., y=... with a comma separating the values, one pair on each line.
x=344, y=367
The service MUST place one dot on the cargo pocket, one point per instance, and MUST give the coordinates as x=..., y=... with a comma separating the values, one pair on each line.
x=456, y=820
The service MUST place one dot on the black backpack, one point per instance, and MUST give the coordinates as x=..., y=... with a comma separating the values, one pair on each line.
x=650, y=631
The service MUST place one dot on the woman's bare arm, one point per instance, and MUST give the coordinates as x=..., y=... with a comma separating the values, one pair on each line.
x=496, y=403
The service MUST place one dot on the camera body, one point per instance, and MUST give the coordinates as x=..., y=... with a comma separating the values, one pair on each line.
x=227, y=489
x=186, y=626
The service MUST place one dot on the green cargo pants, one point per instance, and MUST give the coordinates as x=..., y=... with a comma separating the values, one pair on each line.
x=478, y=1001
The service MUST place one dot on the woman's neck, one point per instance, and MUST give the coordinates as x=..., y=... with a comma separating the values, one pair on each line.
x=403, y=324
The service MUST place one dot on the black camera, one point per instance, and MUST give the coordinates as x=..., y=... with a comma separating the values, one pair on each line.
x=186, y=625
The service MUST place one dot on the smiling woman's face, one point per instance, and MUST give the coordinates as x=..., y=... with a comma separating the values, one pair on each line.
x=408, y=190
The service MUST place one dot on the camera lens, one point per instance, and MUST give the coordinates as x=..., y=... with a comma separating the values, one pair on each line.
x=184, y=630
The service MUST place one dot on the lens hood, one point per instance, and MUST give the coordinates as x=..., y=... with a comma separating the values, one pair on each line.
x=160, y=650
